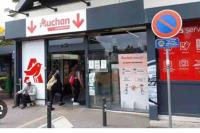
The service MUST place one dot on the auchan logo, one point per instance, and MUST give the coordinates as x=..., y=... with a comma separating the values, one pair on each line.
x=55, y=24
x=33, y=71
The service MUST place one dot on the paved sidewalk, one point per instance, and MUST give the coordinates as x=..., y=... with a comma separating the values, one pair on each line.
x=177, y=122
x=68, y=116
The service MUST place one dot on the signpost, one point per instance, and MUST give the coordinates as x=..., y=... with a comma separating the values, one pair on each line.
x=167, y=24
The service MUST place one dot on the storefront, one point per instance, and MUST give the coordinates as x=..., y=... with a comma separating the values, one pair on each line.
x=112, y=54
x=114, y=46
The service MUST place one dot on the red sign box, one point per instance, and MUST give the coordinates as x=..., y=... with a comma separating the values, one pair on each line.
x=185, y=60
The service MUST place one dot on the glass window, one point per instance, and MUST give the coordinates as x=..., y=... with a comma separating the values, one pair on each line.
x=118, y=71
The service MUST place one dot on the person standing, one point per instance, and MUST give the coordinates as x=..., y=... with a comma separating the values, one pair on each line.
x=76, y=82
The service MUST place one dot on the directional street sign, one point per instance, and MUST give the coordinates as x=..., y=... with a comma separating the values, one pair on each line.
x=167, y=43
x=166, y=24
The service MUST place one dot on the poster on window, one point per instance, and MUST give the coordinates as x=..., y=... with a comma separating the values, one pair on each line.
x=92, y=84
x=152, y=82
x=33, y=66
x=185, y=60
x=133, y=81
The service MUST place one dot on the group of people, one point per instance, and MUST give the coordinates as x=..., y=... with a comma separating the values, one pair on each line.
x=54, y=85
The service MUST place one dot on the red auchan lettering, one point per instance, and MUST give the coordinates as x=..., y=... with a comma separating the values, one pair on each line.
x=56, y=24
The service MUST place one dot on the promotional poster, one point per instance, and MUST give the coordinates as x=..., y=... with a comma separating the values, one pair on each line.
x=133, y=81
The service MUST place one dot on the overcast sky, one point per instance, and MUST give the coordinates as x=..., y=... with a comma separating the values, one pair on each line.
x=5, y=4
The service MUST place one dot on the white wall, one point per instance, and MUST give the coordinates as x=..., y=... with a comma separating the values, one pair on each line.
x=34, y=49
x=159, y=3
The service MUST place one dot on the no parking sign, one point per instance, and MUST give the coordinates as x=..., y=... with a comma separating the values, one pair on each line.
x=166, y=24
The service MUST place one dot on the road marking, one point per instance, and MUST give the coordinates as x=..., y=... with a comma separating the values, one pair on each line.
x=60, y=122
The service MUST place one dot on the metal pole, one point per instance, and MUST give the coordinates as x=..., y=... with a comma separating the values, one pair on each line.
x=86, y=45
x=168, y=86
x=49, y=114
x=104, y=112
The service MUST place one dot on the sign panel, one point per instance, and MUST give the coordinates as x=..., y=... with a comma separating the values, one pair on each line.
x=103, y=64
x=91, y=64
x=185, y=60
x=152, y=82
x=33, y=65
x=133, y=81
x=55, y=24
x=166, y=24
x=167, y=43
x=97, y=64
x=92, y=84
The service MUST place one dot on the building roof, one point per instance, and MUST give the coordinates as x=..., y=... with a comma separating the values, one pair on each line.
x=25, y=5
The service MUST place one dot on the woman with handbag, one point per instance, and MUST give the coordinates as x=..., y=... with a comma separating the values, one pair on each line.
x=54, y=86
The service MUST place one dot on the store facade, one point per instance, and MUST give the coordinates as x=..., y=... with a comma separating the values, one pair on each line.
x=114, y=45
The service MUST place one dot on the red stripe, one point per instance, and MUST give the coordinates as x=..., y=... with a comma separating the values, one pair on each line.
x=165, y=23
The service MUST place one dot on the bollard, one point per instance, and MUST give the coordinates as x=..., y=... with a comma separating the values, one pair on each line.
x=49, y=114
x=104, y=112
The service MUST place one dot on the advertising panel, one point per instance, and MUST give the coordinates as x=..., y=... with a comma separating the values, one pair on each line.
x=133, y=81
x=33, y=65
x=185, y=61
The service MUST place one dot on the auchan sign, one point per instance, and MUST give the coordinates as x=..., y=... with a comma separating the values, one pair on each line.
x=74, y=21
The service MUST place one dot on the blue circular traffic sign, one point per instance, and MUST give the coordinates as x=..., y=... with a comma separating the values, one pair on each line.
x=166, y=24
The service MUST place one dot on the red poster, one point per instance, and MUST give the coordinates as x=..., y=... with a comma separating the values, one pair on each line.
x=185, y=60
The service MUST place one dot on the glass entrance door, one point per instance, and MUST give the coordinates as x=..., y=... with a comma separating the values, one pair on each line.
x=64, y=55
x=65, y=63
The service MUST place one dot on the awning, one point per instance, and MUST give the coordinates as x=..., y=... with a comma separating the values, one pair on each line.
x=24, y=5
